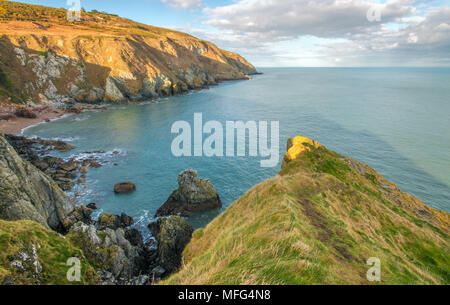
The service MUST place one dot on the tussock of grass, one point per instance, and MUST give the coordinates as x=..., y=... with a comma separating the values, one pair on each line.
x=319, y=222
x=53, y=251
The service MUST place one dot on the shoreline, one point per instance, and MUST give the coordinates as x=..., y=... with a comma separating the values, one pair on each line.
x=16, y=125
x=45, y=114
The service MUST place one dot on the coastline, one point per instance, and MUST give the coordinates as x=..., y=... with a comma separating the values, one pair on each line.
x=16, y=125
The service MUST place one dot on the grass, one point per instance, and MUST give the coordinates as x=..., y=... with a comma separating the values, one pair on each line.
x=53, y=251
x=319, y=222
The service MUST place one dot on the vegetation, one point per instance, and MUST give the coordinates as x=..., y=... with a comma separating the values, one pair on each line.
x=53, y=252
x=319, y=222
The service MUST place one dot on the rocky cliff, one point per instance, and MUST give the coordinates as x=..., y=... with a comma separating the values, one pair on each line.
x=28, y=194
x=319, y=222
x=45, y=59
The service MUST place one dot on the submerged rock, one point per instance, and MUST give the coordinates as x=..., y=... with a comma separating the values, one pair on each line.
x=124, y=187
x=193, y=195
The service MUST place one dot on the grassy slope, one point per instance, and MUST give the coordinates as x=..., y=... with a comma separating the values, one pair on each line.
x=317, y=223
x=53, y=251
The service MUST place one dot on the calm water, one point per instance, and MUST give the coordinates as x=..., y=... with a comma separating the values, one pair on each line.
x=395, y=120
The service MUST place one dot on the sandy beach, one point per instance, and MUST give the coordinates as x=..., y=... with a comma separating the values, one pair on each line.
x=14, y=125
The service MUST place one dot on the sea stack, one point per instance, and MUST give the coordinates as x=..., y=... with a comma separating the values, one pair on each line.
x=193, y=195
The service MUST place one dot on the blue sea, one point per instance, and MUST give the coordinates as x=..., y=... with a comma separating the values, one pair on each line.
x=396, y=120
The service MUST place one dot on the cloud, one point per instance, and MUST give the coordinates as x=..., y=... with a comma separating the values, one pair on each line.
x=406, y=32
x=278, y=20
x=421, y=43
x=184, y=4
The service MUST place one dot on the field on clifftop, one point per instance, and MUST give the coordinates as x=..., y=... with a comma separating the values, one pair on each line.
x=319, y=222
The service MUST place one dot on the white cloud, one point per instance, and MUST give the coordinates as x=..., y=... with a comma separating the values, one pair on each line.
x=410, y=32
x=184, y=4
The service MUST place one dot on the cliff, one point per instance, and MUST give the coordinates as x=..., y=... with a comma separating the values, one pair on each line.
x=45, y=59
x=318, y=222
x=28, y=194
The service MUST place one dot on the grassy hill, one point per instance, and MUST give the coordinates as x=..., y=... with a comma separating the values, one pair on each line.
x=318, y=222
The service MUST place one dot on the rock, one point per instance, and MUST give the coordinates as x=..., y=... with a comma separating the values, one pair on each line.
x=93, y=163
x=68, y=166
x=6, y=117
x=82, y=180
x=124, y=187
x=61, y=146
x=193, y=195
x=43, y=166
x=52, y=161
x=134, y=236
x=71, y=175
x=158, y=272
x=25, y=113
x=27, y=261
x=172, y=234
x=79, y=214
x=111, y=252
x=141, y=280
x=66, y=186
x=84, y=169
x=93, y=206
x=110, y=221
x=27, y=193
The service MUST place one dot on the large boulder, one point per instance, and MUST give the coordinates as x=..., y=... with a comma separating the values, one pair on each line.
x=172, y=234
x=28, y=194
x=193, y=195
x=124, y=187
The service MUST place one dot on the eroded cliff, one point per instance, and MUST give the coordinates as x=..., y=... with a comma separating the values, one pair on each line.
x=46, y=59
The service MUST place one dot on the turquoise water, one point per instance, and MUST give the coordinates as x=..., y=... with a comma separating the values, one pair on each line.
x=395, y=120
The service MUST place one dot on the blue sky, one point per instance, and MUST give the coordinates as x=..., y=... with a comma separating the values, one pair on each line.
x=303, y=32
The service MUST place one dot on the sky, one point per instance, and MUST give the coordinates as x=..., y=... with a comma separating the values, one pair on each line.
x=302, y=33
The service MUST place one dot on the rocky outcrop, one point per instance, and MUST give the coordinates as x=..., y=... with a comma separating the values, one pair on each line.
x=108, y=250
x=106, y=58
x=193, y=195
x=27, y=193
x=172, y=234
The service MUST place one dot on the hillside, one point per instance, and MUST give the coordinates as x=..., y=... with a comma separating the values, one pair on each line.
x=318, y=222
x=45, y=59
x=32, y=254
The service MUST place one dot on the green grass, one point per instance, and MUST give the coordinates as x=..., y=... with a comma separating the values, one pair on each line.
x=52, y=249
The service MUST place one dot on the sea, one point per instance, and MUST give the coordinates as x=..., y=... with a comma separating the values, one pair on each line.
x=396, y=120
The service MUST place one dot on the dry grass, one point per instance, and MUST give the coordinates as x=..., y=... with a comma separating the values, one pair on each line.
x=318, y=223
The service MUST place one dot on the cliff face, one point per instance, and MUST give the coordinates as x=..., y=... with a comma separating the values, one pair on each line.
x=319, y=222
x=28, y=194
x=46, y=59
